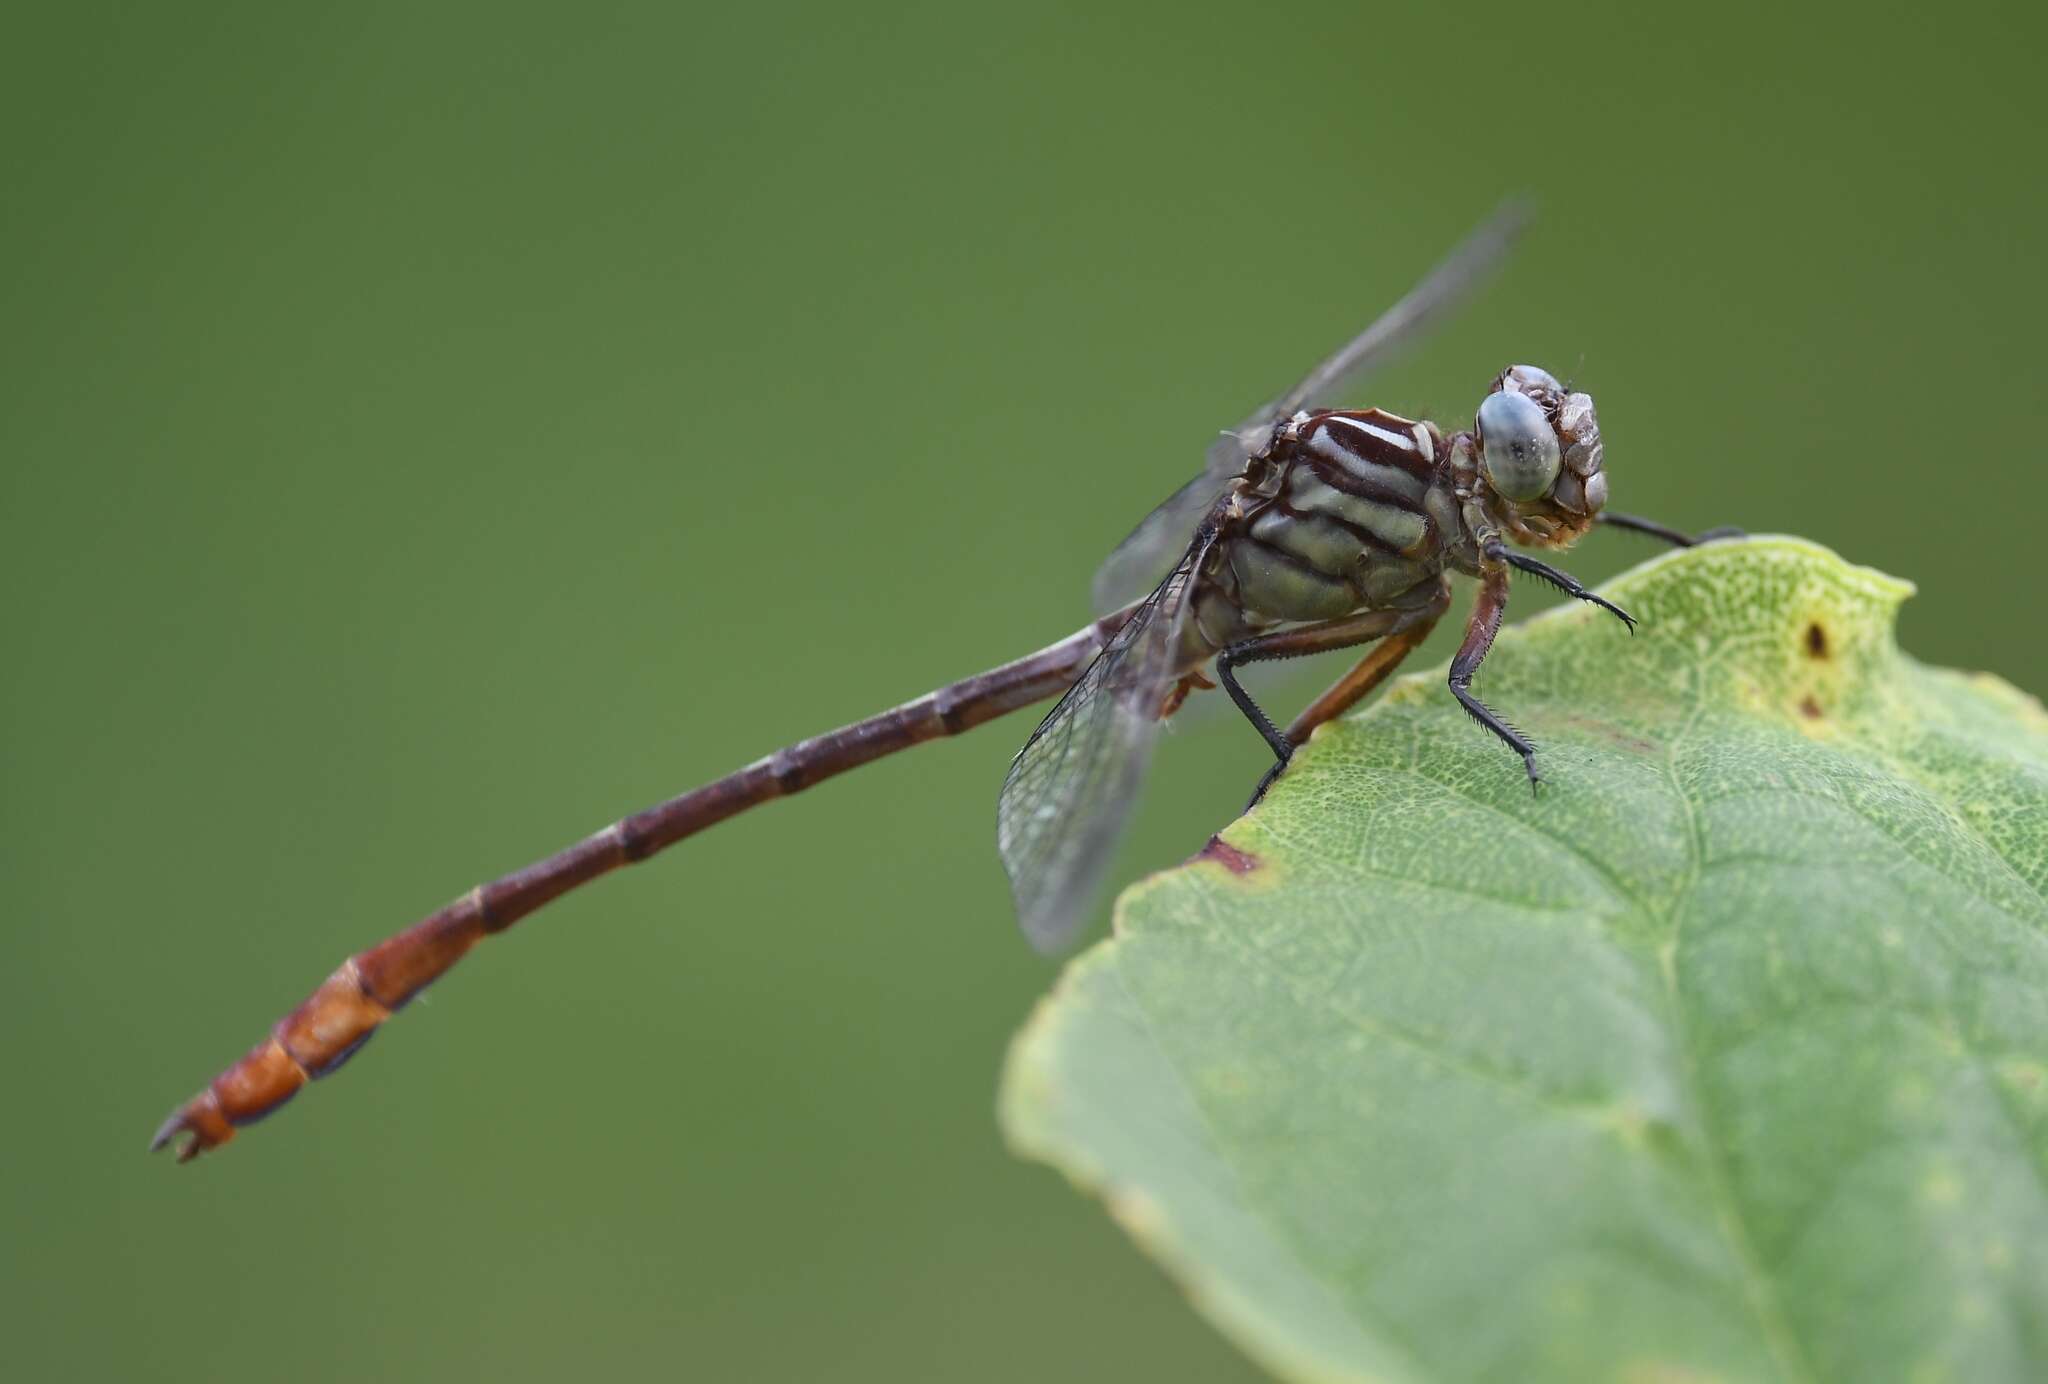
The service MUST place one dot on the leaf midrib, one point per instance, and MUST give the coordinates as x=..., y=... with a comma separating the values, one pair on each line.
x=1759, y=1289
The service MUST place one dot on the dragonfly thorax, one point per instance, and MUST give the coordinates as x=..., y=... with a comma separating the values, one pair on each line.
x=1348, y=510
x=1343, y=510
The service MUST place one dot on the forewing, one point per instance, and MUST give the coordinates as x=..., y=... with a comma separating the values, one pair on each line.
x=1070, y=789
x=1144, y=553
x=1442, y=289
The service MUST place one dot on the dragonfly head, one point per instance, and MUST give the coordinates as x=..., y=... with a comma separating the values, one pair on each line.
x=1539, y=458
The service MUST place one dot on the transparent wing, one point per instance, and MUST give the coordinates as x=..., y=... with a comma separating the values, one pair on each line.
x=1136, y=563
x=1071, y=787
x=1441, y=289
x=1145, y=552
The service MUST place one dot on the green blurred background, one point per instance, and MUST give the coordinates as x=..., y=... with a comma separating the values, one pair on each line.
x=431, y=431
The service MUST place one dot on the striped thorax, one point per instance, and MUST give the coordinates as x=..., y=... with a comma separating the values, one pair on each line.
x=1343, y=511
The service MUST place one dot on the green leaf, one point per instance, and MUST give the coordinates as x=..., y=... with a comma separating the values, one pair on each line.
x=1724, y=1057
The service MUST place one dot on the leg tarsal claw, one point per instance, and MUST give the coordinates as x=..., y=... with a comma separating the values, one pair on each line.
x=1611, y=608
x=1267, y=780
x=1565, y=582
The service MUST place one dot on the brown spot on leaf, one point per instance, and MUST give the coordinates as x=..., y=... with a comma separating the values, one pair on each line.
x=1809, y=708
x=1228, y=856
x=1816, y=640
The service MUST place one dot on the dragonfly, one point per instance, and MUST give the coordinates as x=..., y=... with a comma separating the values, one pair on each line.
x=1308, y=530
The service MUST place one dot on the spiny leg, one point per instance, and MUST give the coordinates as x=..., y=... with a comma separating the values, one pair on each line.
x=1294, y=643
x=1487, y=610
x=1563, y=581
x=1677, y=539
x=1372, y=670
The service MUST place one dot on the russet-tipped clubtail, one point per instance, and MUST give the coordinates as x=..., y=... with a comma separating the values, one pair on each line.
x=1312, y=529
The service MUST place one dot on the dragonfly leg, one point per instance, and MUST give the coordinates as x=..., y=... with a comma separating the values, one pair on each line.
x=1189, y=682
x=1487, y=610
x=1295, y=643
x=1563, y=581
x=1372, y=670
x=1676, y=538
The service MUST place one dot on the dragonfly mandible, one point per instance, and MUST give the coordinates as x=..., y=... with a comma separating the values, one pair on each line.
x=1309, y=529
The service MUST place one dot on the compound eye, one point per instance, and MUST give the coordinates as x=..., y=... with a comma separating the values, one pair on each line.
x=1529, y=379
x=1520, y=449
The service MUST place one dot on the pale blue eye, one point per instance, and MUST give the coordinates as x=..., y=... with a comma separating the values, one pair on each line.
x=1534, y=378
x=1520, y=449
